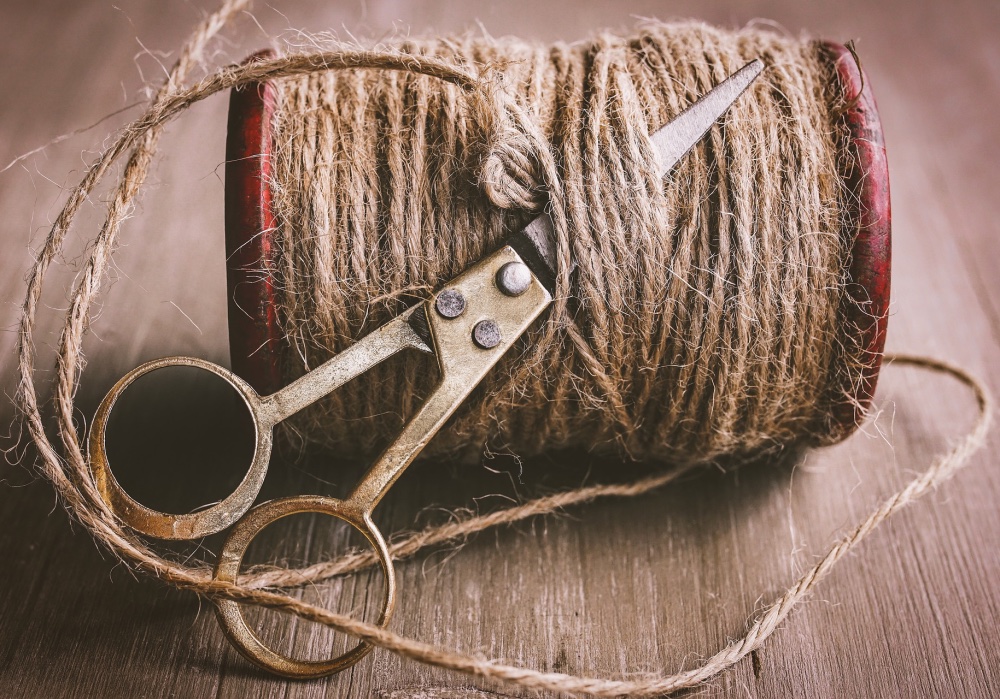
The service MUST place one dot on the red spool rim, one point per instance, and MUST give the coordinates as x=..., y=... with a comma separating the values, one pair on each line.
x=257, y=343
x=866, y=307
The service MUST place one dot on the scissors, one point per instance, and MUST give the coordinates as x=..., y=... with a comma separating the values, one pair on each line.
x=468, y=325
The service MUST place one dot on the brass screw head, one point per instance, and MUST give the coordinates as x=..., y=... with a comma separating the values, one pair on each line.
x=450, y=303
x=514, y=278
x=486, y=334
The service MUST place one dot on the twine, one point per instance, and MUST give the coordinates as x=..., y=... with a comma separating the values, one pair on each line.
x=705, y=316
x=67, y=468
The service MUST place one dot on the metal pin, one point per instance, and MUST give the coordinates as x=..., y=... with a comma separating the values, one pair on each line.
x=514, y=278
x=450, y=303
x=486, y=334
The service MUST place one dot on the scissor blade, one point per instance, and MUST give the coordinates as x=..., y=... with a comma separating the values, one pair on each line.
x=675, y=139
x=536, y=242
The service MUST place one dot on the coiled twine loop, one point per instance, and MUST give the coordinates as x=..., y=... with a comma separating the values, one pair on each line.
x=706, y=315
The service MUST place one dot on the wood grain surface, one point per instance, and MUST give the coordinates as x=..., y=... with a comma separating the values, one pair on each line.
x=616, y=587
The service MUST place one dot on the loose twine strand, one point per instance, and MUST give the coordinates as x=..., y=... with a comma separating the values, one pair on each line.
x=765, y=623
x=70, y=474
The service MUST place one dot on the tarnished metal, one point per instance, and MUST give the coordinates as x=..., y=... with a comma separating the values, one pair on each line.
x=536, y=242
x=450, y=303
x=461, y=371
x=674, y=140
x=266, y=412
x=463, y=362
x=230, y=615
x=514, y=278
x=486, y=334
x=185, y=526
x=468, y=326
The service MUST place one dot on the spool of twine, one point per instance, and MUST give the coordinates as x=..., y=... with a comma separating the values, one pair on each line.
x=707, y=315
x=725, y=245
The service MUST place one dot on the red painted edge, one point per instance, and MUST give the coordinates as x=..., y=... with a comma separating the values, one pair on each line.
x=256, y=343
x=866, y=172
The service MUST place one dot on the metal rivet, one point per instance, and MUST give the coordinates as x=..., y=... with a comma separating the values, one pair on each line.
x=486, y=334
x=450, y=303
x=514, y=278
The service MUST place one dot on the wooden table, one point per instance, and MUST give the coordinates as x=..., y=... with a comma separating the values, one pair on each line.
x=615, y=587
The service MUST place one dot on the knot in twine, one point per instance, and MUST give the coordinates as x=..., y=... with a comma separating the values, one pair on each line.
x=511, y=170
x=509, y=166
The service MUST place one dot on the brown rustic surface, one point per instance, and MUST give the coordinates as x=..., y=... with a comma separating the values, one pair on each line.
x=649, y=585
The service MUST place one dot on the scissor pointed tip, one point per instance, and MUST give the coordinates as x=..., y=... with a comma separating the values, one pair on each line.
x=679, y=136
x=733, y=86
x=743, y=78
x=536, y=242
x=753, y=68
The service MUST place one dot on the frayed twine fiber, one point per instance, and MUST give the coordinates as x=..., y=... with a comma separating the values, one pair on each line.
x=705, y=317
x=67, y=468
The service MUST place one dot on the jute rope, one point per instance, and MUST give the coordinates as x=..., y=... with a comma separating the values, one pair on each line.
x=67, y=468
x=704, y=318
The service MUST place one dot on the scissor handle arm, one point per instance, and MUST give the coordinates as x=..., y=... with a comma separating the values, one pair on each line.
x=192, y=525
x=462, y=360
x=374, y=348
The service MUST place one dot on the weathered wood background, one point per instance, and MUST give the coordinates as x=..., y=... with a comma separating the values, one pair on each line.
x=615, y=587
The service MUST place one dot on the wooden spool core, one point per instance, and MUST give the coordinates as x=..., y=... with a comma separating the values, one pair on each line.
x=257, y=345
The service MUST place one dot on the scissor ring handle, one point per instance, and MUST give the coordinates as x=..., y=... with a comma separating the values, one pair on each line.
x=193, y=525
x=230, y=614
